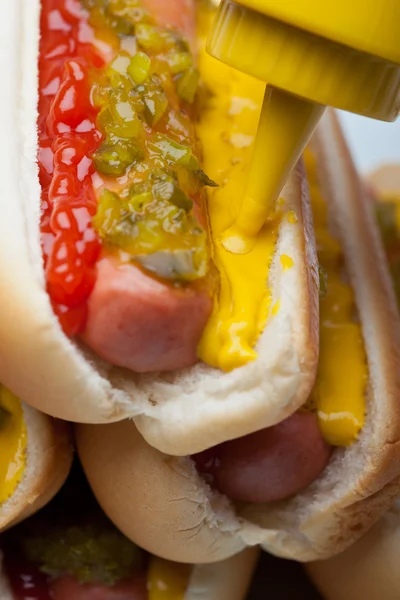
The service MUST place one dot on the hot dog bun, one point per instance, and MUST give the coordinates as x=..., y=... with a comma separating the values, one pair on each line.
x=48, y=461
x=369, y=569
x=164, y=505
x=182, y=412
x=385, y=181
x=227, y=580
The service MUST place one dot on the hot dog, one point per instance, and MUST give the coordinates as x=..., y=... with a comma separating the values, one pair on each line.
x=126, y=317
x=70, y=551
x=36, y=455
x=135, y=309
x=302, y=492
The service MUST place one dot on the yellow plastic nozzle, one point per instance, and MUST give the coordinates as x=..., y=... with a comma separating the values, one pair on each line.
x=285, y=122
x=291, y=46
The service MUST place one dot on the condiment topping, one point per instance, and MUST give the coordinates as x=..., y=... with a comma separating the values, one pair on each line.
x=118, y=157
x=227, y=128
x=92, y=553
x=13, y=440
x=167, y=580
x=71, y=545
x=338, y=396
x=71, y=537
x=67, y=138
x=26, y=580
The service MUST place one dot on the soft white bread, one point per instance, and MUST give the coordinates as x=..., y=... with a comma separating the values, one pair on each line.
x=48, y=460
x=156, y=500
x=226, y=580
x=369, y=570
x=179, y=413
x=161, y=502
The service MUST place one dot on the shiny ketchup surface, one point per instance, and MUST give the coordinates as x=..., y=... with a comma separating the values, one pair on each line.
x=26, y=581
x=67, y=138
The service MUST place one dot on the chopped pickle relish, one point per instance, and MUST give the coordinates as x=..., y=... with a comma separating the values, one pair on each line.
x=71, y=537
x=152, y=221
x=118, y=155
x=95, y=552
x=71, y=549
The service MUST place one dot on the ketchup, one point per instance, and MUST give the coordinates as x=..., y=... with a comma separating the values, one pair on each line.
x=67, y=139
x=26, y=581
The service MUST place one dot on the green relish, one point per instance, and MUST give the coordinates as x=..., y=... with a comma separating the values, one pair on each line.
x=71, y=536
x=153, y=221
x=93, y=553
x=149, y=153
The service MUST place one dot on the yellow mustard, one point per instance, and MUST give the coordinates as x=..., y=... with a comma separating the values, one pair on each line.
x=13, y=441
x=227, y=129
x=167, y=580
x=339, y=392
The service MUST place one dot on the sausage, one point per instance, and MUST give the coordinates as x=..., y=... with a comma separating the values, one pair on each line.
x=269, y=465
x=179, y=14
x=134, y=321
x=142, y=324
x=68, y=588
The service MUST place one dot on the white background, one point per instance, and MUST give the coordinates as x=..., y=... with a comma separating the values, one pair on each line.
x=372, y=143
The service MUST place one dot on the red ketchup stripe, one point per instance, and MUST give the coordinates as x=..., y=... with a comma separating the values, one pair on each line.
x=26, y=581
x=67, y=138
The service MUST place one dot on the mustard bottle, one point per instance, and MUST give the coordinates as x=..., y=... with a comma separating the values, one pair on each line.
x=312, y=54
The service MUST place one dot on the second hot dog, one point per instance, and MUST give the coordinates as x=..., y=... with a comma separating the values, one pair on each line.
x=306, y=488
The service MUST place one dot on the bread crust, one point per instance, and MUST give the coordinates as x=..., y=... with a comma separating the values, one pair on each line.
x=368, y=569
x=48, y=462
x=156, y=500
x=179, y=413
x=385, y=181
x=227, y=580
x=162, y=502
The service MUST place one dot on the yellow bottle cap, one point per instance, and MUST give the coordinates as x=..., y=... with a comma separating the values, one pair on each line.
x=370, y=26
x=313, y=62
